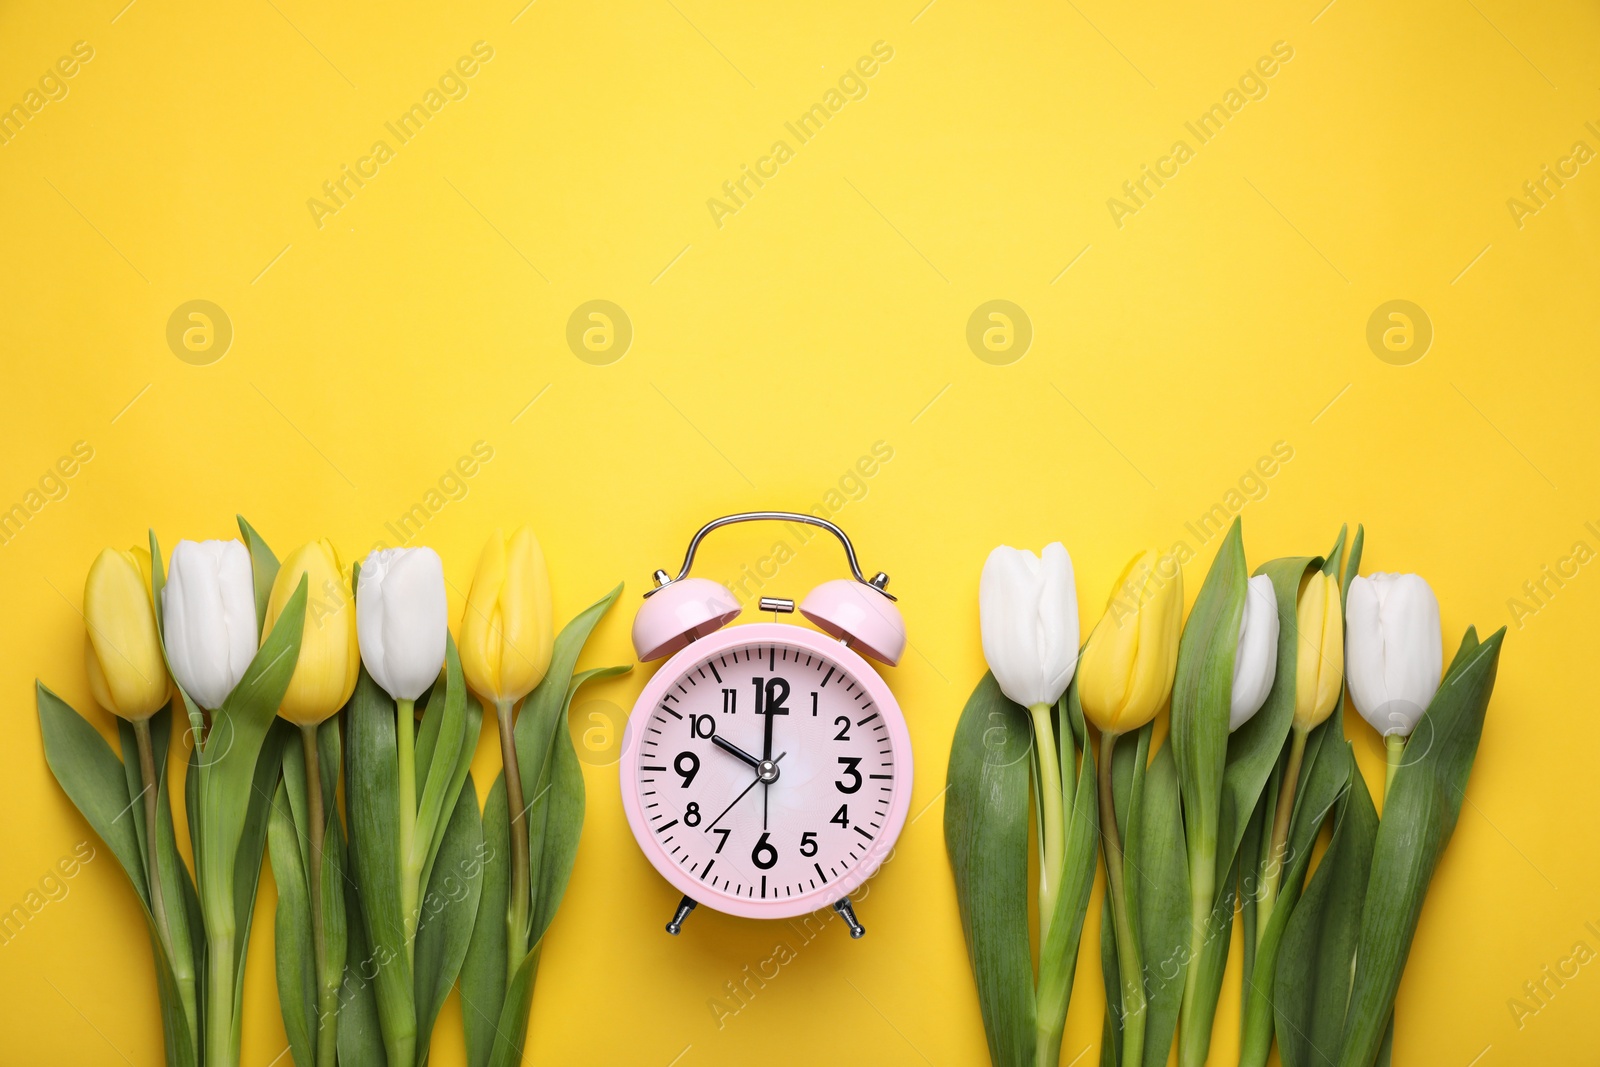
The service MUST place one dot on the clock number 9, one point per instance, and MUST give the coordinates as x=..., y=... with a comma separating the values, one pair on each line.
x=850, y=764
x=687, y=765
x=764, y=855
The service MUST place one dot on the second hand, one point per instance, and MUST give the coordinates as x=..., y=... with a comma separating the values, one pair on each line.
x=754, y=782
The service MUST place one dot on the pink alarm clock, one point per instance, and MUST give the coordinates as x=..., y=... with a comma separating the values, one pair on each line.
x=766, y=770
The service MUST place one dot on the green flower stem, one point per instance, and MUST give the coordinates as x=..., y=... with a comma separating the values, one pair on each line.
x=518, y=902
x=1394, y=747
x=1055, y=829
x=327, y=983
x=1194, y=1033
x=214, y=872
x=1276, y=857
x=217, y=910
x=410, y=868
x=1132, y=972
x=150, y=788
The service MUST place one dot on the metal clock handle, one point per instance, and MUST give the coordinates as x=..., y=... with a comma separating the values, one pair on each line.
x=878, y=581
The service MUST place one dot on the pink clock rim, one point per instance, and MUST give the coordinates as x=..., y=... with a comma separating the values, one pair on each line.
x=899, y=804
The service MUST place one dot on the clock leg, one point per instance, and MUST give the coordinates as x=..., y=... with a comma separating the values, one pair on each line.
x=685, y=906
x=848, y=914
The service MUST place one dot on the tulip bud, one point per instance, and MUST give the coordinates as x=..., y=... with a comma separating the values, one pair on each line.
x=1126, y=673
x=123, y=651
x=1028, y=615
x=400, y=619
x=1255, y=663
x=209, y=610
x=1395, y=652
x=1319, y=662
x=506, y=632
x=325, y=675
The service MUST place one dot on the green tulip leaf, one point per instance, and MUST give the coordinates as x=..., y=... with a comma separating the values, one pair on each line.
x=177, y=887
x=445, y=744
x=1318, y=948
x=986, y=835
x=1255, y=747
x=93, y=779
x=372, y=786
x=292, y=937
x=360, y=1033
x=1129, y=765
x=511, y=1030
x=263, y=569
x=1201, y=693
x=1058, y=955
x=483, y=971
x=543, y=710
x=97, y=784
x=449, y=909
x=1161, y=869
x=1324, y=779
x=1419, y=815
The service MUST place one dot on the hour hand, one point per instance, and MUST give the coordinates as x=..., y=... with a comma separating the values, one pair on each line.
x=733, y=749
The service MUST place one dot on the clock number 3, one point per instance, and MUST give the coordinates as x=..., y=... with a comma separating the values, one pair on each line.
x=850, y=763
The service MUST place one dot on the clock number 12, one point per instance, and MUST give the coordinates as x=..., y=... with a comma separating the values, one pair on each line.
x=770, y=695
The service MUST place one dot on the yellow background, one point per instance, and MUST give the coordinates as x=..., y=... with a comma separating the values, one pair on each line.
x=771, y=353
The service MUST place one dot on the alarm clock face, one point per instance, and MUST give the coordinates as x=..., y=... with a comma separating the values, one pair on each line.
x=767, y=770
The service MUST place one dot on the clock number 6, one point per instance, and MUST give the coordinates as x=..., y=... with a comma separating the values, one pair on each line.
x=764, y=855
x=850, y=764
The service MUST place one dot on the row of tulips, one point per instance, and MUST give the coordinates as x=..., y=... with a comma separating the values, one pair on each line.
x=414, y=889
x=1223, y=816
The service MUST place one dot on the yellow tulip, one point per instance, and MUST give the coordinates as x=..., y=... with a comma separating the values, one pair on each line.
x=123, y=651
x=1125, y=673
x=1319, y=659
x=325, y=675
x=506, y=632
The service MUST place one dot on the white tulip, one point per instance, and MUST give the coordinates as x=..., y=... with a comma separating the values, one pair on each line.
x=1028, y=613
x=209, y=618
x=1393, y=654
x=1255, y=664
x=400, y=619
